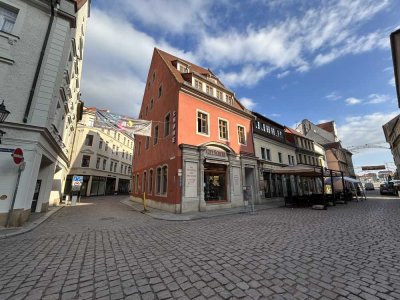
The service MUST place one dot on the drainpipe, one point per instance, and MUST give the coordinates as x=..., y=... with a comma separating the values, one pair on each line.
x=39, y=65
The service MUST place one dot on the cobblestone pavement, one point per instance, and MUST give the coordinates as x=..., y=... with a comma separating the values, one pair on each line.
x=105, y=250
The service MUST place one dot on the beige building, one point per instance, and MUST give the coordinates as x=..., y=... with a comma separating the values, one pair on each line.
x=41, y=54
x=103, y=156
x=273, y=151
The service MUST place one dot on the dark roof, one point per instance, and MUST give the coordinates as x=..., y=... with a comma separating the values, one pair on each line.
x=327, y=126
x=260, y=116
x=292, y=131
x=334, y=145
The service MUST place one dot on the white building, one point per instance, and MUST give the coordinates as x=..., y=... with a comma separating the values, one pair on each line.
x=103, y=157
x=41, y=52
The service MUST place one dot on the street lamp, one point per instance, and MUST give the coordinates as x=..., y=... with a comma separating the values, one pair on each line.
x=3, y=115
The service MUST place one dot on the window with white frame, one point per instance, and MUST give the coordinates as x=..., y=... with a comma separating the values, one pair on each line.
x=202, y=122
x=198, y=84
x=209, y=90
x=241, y=135
x=223, y=129
x=219, y=95
x=8, y=16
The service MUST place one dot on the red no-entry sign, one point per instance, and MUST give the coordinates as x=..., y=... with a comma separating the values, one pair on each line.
x=18, y=156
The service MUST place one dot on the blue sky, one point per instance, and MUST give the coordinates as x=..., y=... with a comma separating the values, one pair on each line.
x=286, y=59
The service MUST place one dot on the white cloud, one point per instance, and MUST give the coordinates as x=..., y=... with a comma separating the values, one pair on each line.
x=249, y=75
x=275, y=115
x=333, y=96
x=283, y=74
x=248, y=103
x=352, y=101
x=115, y=70
x=367, y=129
x=378, y=98
x=354, y=45
x=172, y=16
x=322, y=121
x=392, y=82
x=298, y=43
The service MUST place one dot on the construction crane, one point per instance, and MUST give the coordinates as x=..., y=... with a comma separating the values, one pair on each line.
x=356, y=149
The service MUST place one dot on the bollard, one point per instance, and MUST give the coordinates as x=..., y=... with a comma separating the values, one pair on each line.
x=144, y=201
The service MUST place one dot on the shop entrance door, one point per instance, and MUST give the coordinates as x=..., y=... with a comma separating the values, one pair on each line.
x=214, y=183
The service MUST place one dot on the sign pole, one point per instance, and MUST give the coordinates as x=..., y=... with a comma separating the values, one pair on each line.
x=20, y=169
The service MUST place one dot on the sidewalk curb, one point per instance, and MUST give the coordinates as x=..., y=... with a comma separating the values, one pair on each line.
x=180, y=218
x=33, y=225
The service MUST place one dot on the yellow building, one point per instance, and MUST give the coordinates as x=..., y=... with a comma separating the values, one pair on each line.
x=103, y=156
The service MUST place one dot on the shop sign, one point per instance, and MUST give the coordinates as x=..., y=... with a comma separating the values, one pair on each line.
x=367, y=168
x=174, y=127
x=215, y=153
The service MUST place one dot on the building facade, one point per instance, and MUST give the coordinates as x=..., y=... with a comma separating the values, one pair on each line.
x=103, y=156
x=272, y=151
x=392, y=135
x=201, y=154
x=395, y=45
x=325, y=134
x=41, y=53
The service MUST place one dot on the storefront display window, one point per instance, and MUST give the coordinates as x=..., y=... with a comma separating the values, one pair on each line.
x=214, y=182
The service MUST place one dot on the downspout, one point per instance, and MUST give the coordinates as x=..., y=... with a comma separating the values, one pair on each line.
x=39, y=65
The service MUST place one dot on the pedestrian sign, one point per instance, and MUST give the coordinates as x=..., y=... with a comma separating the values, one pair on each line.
x=77, y=182
x=77, y=178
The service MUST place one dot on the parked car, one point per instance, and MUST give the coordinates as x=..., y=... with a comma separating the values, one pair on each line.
x=369, y=186
x=390, y=187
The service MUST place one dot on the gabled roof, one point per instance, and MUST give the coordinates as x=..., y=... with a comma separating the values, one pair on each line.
x=169, y=59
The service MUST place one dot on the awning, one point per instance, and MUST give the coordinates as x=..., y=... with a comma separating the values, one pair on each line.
x=299, y=170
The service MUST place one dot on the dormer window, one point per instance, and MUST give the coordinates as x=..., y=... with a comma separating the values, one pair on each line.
x=209, y=90
x=198, y=84
x=228, y=99
x=219, y=95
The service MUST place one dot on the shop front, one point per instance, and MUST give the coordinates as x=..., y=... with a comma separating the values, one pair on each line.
x=214, y=177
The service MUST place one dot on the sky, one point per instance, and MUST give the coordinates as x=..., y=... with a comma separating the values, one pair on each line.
x=289, y=60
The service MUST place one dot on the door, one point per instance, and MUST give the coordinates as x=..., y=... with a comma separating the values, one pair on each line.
x=36, y=195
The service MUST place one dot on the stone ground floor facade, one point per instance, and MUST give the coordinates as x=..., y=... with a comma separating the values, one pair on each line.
x=43, y=178
x=210, y=177
x=104, y=250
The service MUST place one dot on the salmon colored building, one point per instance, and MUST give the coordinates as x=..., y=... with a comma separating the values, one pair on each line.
x=200, y=155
